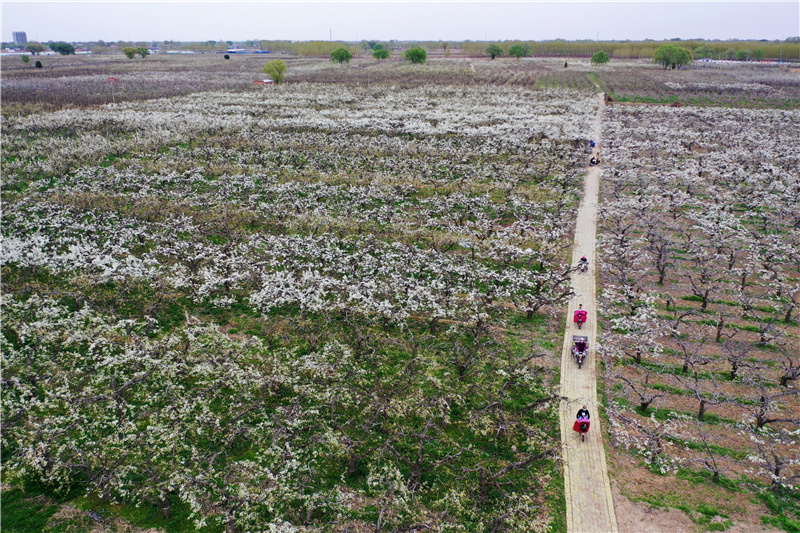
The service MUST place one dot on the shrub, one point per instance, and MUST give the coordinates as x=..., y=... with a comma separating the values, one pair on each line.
x=520, y=50
x=494, y=50
x=62, y=48
x=600, y=58
x=341, y=55
x=416, y=55
x=276, y=70
x=673, y=56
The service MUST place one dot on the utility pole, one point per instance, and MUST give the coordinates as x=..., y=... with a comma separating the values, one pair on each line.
x=330, y=34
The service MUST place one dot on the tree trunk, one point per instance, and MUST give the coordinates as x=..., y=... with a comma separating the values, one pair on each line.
x=166, y=507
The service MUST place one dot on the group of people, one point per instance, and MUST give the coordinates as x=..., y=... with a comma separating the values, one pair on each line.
x=595, y=160
x=582, y=418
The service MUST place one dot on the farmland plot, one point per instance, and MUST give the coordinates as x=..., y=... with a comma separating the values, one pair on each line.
x=754, y=85
x=311, y=308
x=700, y=245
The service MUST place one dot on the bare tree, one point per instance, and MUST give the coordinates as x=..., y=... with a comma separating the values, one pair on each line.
x=706, y=393
x=765, y=406
x=737, y=355
x=643, y=391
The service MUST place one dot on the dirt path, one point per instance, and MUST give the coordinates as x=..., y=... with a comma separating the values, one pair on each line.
x=590, y=507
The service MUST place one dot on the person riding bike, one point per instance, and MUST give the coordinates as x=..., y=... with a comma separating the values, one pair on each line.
x=580, y=316
x=580, y=346
x=583, y=264
x=582, y=423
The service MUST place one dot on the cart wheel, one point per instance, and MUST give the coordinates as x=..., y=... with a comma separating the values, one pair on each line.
x=583, y=437
x=579, y=364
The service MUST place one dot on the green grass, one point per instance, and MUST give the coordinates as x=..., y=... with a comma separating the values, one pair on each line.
x=719, y=450
x=705, y=477
x=784, y=504
x=25, y=513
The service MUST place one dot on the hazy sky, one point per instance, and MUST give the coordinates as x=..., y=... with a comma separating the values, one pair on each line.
x=381, y=20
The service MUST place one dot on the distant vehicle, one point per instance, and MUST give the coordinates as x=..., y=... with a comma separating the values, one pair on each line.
x=237, y=51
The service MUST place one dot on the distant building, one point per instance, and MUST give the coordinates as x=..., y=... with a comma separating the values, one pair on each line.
x=20, y=38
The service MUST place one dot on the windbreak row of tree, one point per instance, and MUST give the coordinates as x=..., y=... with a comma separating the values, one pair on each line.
x=310, y=308
x=699, y=244
x=740, y=50
x=788, y=49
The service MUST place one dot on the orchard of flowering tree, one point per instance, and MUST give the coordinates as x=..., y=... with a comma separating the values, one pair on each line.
x=297, y=309
x=700, y=250
x=334, y=304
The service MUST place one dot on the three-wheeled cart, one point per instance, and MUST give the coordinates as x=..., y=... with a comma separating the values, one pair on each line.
x=580, y=348
x=580, y=317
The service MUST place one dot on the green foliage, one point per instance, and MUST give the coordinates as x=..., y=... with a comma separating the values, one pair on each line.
x=743, y=54
x=62, y=48
x=380, y=53
x=341, y=55
x=416, y=55
x=600, y=58
x=494, y=50
x=35, y=48
x=129, y=52
x=759, y=54
x=703, y=52
x=143, y=51
x=276, y=70
x=520, y=50
x=38, y=64
x=25, y=59
x=670, y=55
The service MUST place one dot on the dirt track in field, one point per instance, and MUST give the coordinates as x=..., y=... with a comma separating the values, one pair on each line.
x=590, y=507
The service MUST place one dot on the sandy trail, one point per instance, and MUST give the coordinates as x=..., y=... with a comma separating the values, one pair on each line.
x=590, y=507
